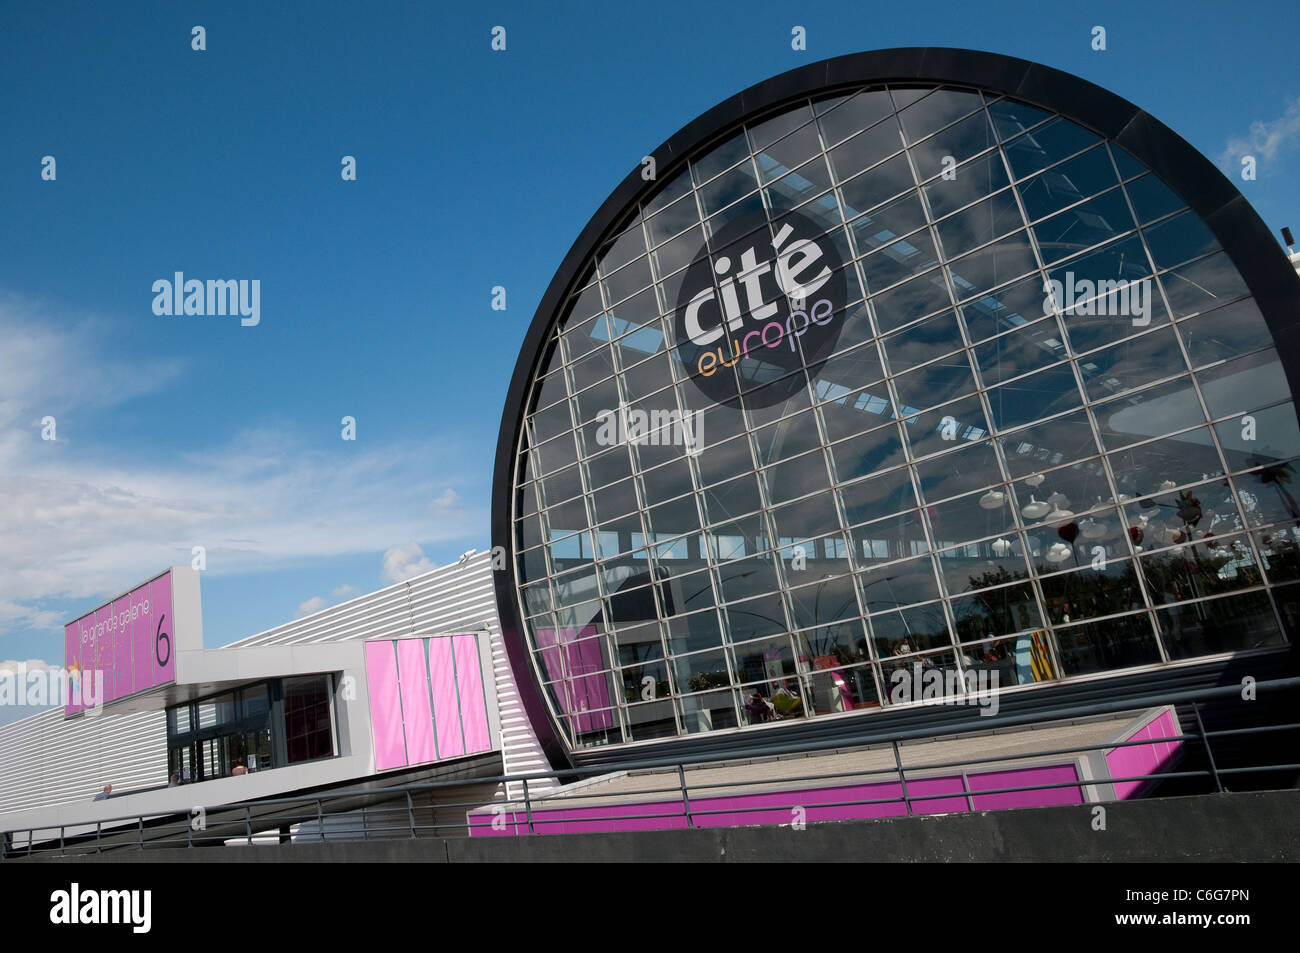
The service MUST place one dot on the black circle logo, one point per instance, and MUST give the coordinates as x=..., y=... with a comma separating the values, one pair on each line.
x=759, y=301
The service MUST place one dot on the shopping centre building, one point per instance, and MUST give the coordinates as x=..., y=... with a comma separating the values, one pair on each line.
x=907, y=362
x=898, y=388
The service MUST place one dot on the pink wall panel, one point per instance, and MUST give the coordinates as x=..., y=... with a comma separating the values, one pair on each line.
x=416, y=716
x=445, y=714
x=1021, y=777
x=1137, y=760
x=778, y=807
x=473, y=706
x=385, y=706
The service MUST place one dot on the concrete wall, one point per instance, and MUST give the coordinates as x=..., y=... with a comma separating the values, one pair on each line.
x=1257, y=826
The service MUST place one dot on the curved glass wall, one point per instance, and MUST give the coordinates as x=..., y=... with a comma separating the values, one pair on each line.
x=1002, y=411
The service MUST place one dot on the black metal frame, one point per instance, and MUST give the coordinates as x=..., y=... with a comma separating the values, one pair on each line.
x=1238, y=228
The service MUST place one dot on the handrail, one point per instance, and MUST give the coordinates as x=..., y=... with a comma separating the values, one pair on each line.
x=285, y=811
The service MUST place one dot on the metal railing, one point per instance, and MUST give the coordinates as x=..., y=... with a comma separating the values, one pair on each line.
x=371, y=813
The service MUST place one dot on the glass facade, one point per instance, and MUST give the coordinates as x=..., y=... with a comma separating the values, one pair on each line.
x=1013, y=410
x=267, y=725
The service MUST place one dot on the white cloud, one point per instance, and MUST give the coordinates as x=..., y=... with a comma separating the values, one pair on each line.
x=345, y=591
x=1264, y=140
x=13, y=614
x=314, y=604
x=403, y=562
x=81, y=518
x=31, y=665
x=446, y=501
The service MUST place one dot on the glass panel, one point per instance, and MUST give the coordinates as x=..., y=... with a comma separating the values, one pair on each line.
x=1044, y=146
x=1068, y=183
x=857, y=112
x=901, y=633
x=1128, y=166
x=935, y=383
x=900, y=260
x=940, y=108
x=962, y=471
x=972, y=181
x=1180, y=238
x=1083, y=226
x=701, y=671
x=936, y=155
x=1280, y=550
x=1151, y=198
x=767, y=131
x=1045, y=445
x=902, y=216
x=726, y=189
x=866, y=191
x=1225, y=333
x=980, y=565
x=878, y=497
x=1266, y=437
x=1220, y=625
x=1011, y=355
x=993, y=613
x=1011, y=118
x=849, y=369
x=308, y=730
x=700, y=630
x=255, y=701
x=923, y=342
x=1132, y=364
x=719, y=157
x=797, y=477
x=898, y=584
x=757, y=618
x=709, y=712
x=673, y=220
x=1087, y=592
x=1006, y=308
x=1245, y=384
x=626, y=247
x=980, y=224
x=732, y=498
x=1104, y=646
x=1203, y=285
x=1029, y=398
x=977, y=516
x=1162, y=409
x=628, y=280
x=811, y=517
x=992, y=265
x=911, y=300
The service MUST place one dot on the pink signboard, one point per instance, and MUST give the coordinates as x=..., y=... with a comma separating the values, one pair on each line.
x=130, y=641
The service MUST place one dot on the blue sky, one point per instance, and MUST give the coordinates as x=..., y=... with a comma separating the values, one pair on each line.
x=474, y=169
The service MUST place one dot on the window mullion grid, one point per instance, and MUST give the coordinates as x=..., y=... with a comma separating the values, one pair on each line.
x=944, y=607
x=854, y=564
x=1149, y=612
x=1214, y=434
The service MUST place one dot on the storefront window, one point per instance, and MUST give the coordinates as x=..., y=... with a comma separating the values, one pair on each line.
x=209, y=738
x=308, y=718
